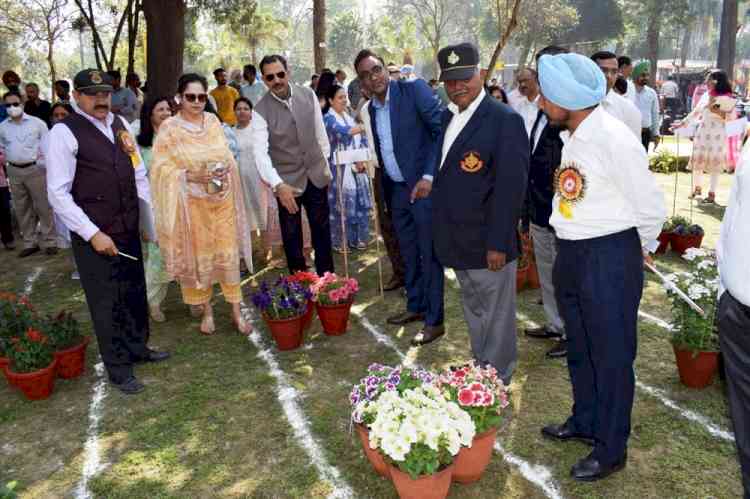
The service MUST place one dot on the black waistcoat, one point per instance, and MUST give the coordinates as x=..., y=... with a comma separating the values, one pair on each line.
x=104, y=184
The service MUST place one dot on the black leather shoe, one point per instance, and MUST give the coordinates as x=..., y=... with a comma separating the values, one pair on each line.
x=156, y=356
x=405, y=318
x=559, y=350
x=394, y=284
x=427, y=335
x=542, y=333
x=590, y=469
x=28, y=252
x=131, y=386
x=51, y=251
x=564, y=432
x=10, y=246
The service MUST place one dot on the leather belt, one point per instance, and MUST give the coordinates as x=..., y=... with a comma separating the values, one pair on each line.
x=21, y=165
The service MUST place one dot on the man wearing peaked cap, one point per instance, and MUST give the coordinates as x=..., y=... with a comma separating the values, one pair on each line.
x=96, y=183
x=480, y=182
x=607, y=208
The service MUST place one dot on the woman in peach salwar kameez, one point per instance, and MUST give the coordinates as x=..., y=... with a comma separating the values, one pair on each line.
x=201, y=219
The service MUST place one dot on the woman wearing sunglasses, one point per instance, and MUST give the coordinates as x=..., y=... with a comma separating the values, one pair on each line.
x=201, y=219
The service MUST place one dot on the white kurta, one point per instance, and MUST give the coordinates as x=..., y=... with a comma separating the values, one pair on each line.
x=255, y=193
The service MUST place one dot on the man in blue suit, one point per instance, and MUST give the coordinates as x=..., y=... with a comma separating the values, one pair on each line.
x=406, y=125
x=478, y=194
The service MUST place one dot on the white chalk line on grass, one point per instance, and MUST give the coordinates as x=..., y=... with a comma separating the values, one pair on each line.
x=30, y=280
x=539, y=475
x=92, y=460
x=288, y=398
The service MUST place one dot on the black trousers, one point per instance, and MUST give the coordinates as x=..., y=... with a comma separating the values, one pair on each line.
x=115, y=289
x=387, y=230
x=645, y=137
x=6, y=225
x=315, y=201
x=734, y=334
x=599, y=283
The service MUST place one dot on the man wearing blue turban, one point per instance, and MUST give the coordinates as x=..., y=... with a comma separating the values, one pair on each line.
x=607, y=208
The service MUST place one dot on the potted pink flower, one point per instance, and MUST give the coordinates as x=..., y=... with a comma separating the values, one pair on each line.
x=482, y=394
x=333, y=297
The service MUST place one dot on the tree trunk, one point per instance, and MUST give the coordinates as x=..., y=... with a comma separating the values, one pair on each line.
x=134, y=16
x=652, y=38
x=51, y=62
x=319, y=34
x=686, y=40
x=523, y=55
x=728, y=37
x=165, y=37
x=620, y=47
x=512, y=24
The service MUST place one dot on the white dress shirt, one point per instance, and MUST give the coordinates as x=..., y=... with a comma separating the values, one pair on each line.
x=260, y=140
x=528, y=109
x=624, y=110
x=22, y=142
x=61, y=170
x=620, y=192
x=458, y=122
x=647, y=102
x=670, y=90
x=731, y=250
x=630, y=94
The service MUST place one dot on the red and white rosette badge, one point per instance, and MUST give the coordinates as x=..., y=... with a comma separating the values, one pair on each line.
x=570, y=185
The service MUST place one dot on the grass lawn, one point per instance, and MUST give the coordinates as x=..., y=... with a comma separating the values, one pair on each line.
x=228, y=417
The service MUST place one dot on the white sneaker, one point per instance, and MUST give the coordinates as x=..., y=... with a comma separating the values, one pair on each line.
x=75, y=276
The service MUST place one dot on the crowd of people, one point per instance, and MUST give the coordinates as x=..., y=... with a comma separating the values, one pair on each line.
x=151, y=189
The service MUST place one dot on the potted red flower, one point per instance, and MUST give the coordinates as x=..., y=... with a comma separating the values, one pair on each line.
x=480, y=393
x=16, y=317
x=333, y=297
x=32, y=365
x=283, y=306
x=306, y=280
x=69, y=344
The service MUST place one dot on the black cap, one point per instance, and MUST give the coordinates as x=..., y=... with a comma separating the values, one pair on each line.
x=458, y=62
x=93, y=79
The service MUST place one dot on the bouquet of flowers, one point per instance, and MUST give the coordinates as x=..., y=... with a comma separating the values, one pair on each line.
x=418, y=430
x=334, y=290
x=30, y=352
x=701, y=283
x=284, y=300
x=381, y=379
x=478, y=391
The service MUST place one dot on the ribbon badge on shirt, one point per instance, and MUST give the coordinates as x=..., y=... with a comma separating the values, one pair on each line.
x=472, y=162
x=570, y=185
x=128, y=146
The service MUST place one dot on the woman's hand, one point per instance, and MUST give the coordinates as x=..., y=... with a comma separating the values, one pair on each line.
x=360, y=167
x=355, y=130
x=201, y=177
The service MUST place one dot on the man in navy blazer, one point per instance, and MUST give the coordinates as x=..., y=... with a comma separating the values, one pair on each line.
x=478, y=193
x=406, y=125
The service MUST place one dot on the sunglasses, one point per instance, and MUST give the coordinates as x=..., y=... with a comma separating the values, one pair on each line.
x=14, y=104
x=270, y=77
x=202, y=98
x=96, y=93
x=376, y=70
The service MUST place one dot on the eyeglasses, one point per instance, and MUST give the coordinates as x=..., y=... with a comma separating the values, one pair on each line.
x=14, y=104
x=270, y=77
x=376, y=70
x=91, y=92
x=202, y=98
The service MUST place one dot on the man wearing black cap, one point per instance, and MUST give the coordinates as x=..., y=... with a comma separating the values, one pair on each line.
x=480, y=182
x=96, y=183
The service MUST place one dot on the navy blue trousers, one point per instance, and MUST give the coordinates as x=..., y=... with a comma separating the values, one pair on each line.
x=599, y=283
x=424, y=274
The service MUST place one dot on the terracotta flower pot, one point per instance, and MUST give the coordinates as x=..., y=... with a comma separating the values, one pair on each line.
x=335, y=318
x=425, y=487
x=532, y=277
x=4, y=361
x=521, y=278
x=375, y=457
x=680, y=244
x=37, y=385
x=308, y=317
x=287, y=333
x=696, y=371
x=72, y=362
x=472, y=461
x=664, y=239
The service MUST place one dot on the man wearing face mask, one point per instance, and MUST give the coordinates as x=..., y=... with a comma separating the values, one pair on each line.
x=21, y=137
x=291, y=151
x=96, y=182
x=483, y=161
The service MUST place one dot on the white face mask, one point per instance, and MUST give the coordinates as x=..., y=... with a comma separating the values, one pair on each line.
x=15, y=111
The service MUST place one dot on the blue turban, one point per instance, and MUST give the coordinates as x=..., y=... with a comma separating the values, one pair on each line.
x=571, y=81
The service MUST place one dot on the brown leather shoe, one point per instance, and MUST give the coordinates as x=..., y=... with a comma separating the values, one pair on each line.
x=427, y=335
x=405, y=318
x=394, y=284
